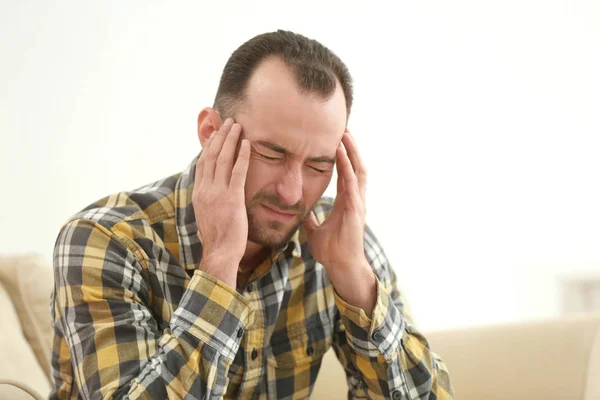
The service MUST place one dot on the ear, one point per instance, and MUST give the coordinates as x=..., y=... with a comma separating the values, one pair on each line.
x=209, y=121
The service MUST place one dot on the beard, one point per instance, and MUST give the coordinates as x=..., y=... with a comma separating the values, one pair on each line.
x=272, y=233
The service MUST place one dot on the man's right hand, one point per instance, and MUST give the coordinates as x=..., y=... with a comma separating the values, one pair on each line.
x=219, y=202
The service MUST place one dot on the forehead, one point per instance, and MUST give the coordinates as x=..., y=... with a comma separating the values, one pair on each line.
x=276, y=110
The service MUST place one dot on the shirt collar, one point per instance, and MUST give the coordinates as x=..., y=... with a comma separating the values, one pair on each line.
x=190, y=248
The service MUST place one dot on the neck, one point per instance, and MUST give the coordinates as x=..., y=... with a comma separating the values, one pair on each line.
x=254, y=255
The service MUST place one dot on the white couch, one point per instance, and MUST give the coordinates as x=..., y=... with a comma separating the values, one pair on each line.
x=557, y=359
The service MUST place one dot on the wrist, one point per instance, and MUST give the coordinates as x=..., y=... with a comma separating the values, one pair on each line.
x=357, y=286
x=220, y=267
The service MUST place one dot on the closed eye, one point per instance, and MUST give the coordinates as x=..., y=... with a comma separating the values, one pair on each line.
x=321, y=171
x=269, y=158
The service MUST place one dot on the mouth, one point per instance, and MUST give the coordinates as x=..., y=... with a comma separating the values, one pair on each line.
x=277, y=214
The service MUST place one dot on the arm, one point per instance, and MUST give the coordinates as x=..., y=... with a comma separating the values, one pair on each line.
x=100, y=307
x=385, y=356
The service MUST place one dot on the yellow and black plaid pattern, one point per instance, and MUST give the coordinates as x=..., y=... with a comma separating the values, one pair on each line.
x=134, y=318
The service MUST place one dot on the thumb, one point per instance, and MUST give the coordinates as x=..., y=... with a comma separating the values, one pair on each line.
x=310, y=223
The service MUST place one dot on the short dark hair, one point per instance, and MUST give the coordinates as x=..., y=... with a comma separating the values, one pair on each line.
x=313, y=65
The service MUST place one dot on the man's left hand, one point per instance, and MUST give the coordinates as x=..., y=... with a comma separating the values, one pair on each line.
x=338, y=243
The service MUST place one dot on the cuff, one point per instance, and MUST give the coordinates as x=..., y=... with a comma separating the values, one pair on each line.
x=375, y=336
x=213, y=313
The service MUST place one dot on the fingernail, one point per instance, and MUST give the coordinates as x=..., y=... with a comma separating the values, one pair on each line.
x=212, y=134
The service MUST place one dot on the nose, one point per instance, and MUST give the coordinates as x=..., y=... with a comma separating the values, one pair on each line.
x=289, y=187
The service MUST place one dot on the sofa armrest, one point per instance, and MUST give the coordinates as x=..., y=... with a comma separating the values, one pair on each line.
x=592, y=389
x=543, y=360
x=14, y=390
x=19, y=368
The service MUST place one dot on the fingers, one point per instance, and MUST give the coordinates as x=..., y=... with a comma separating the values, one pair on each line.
x=214, y=150
x=240, y=169
x=345, y=171
x=340, y=179
x=216, y=163
x=200, y=162
x=226, y=157
x=357, y=164
x=310, y=223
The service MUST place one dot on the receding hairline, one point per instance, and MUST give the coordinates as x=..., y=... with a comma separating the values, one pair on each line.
x=234, y=104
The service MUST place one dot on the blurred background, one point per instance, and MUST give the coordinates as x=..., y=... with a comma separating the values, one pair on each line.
x=479, y=123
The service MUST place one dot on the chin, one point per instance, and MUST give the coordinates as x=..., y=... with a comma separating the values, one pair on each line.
x=270, y=234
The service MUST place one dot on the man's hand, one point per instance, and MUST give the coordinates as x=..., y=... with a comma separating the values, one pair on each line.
x=219, y=205
x=338, y=243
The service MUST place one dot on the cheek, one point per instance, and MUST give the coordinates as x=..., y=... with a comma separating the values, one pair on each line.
x=314, y=187
x=258, y=178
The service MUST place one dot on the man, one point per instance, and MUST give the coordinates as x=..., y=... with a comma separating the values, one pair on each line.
x=233, y=278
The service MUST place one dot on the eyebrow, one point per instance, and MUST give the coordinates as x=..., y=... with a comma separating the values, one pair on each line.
x=278, y=149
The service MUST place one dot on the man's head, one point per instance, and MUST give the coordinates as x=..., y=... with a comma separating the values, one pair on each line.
x=292, y=97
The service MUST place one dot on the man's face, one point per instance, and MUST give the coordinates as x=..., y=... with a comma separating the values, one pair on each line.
x=293, y=138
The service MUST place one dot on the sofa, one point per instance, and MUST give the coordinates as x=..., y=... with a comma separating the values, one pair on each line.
x=552, y=359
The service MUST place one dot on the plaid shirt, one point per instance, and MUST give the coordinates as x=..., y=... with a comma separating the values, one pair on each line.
x=134, y=318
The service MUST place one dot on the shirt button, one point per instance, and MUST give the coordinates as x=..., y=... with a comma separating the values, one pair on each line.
x=240, y=332
x=309, y=350
x=254, y=354
x=377, y=337
x=250, y=288
x=396, y=395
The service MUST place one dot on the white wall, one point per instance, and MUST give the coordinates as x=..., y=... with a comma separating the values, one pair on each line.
x=479, y=122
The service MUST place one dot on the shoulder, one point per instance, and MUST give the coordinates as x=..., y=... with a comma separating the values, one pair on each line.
x=373, y=249
x=130, y=210
x=323, y=208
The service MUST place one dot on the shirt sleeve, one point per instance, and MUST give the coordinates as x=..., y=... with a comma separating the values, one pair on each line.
x=384, y=356
x=101, y=307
